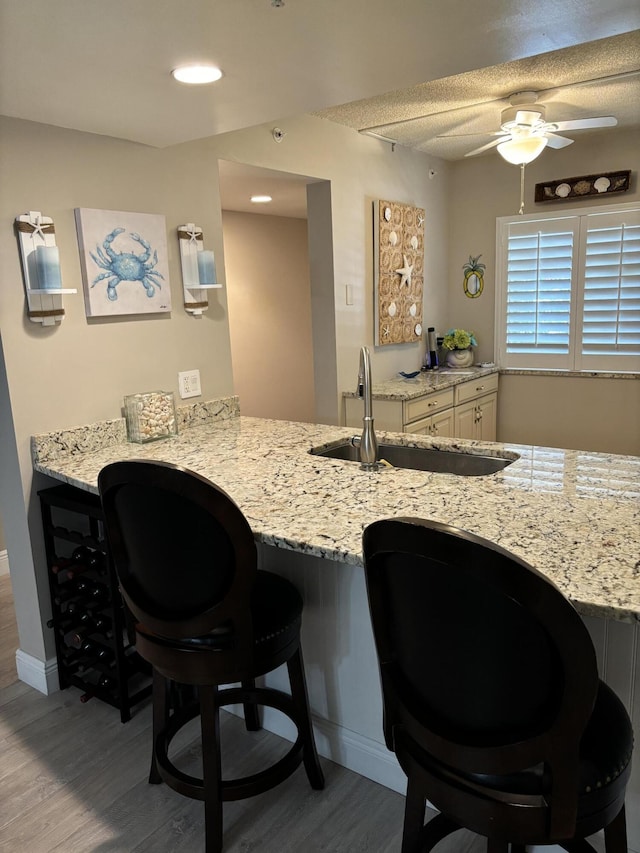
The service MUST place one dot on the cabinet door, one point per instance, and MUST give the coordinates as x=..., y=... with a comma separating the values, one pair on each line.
x=465, y=420
x=443, y=424
x=437, y=425
x=422, y=427
x=486, y=418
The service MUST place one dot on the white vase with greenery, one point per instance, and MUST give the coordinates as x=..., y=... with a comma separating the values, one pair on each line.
x=459, y=345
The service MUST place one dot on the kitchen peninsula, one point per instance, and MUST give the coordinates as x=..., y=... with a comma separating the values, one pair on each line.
x=573, y=515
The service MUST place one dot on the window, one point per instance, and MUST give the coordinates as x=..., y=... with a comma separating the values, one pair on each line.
x=568, y=290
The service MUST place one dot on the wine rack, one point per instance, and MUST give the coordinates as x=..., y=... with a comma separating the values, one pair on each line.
x=92, y=629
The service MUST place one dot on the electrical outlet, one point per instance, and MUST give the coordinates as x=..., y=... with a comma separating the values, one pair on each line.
x=189, y=384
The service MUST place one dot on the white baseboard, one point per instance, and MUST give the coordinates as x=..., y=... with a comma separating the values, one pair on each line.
x=364, y=756
x=36, y=673
x=4, y=563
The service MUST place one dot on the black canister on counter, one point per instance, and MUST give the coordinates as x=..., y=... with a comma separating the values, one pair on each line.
x=431, y=361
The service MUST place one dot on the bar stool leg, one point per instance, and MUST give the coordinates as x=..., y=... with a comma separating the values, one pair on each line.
x=251, y=711
x=615, y=835
x=211, y=768
x=300, y=696
x=160, y=716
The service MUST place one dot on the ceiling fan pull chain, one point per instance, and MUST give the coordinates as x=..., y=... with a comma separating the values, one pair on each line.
x=521, y=211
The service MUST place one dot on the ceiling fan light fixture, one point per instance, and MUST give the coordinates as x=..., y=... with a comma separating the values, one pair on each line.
x=522, y=150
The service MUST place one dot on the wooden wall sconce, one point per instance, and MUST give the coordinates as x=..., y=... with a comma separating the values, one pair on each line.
x=198, y=269
x=41, y=268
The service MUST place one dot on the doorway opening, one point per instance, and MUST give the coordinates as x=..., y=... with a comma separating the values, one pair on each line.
x=280, y=298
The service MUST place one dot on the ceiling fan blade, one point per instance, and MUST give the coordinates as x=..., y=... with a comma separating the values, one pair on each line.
x=478, y=133
x=582, y=123
x=554, y=141
x=488, y=145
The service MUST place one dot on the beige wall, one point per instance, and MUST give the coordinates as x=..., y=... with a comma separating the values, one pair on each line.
x=359, y=169
x=269, y=297
x=585, y=413
x=79, y=371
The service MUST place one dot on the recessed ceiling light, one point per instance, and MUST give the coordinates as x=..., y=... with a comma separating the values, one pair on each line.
x=261, y=199
x=197, y=74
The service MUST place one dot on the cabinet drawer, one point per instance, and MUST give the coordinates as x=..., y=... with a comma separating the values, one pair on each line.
x=476, y=388
x=422, y=406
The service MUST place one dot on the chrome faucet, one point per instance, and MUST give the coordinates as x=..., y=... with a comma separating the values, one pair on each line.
x=368, y=444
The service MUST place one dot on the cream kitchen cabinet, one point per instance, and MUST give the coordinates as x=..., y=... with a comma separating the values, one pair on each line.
x=476, y=406
x=459, y=409
x=428, y=414
x=441, y=424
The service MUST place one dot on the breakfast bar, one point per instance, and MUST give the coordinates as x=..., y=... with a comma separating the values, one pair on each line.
x=574, y=515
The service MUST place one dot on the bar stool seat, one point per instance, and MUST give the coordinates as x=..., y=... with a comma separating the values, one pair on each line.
x=205, y=619
x=492, y=700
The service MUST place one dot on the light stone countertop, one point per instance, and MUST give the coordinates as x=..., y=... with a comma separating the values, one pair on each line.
x=431, y=381
x=573, y=515
x=426, y=382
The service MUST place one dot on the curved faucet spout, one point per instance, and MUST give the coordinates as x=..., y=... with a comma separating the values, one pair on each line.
x=368, y=442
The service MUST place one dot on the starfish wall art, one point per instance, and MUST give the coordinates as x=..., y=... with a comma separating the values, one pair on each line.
x=399, y=272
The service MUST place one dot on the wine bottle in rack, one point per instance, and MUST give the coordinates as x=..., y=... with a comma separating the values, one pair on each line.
x=107, y=683
x=94, y=562
x=60, y=564
x=62, y=623
x=77, y=636
x=102, y=624
x=77, y=562
x=99, y=623
x=66, y=592
x=92, y=591
x=97, y=562
x=96, y=652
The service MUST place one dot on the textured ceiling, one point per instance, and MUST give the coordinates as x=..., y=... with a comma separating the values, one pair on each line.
x=105, y=67
x=594, y=79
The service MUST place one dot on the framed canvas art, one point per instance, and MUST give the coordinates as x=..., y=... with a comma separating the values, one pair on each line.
x=399, y=272
x=123, y=257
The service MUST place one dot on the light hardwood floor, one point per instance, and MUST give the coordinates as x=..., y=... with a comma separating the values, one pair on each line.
x=73, y=779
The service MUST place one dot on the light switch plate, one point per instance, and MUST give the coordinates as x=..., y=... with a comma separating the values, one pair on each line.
x=189, y=384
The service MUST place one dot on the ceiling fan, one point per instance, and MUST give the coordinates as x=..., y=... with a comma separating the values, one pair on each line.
x=524, y=131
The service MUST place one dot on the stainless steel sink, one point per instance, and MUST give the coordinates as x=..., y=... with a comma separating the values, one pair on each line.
x=422, y=459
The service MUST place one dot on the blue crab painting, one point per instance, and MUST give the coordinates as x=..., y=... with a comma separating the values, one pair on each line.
x=126, y=266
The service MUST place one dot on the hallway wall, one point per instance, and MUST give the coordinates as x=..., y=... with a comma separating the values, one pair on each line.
x=269, y=297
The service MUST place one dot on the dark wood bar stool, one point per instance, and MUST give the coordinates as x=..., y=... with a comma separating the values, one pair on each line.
x=492, y=700
x=204, y=616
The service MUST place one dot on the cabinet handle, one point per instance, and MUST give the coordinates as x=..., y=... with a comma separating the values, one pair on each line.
x=434, y=429
x=435, y=403
x=479, y=387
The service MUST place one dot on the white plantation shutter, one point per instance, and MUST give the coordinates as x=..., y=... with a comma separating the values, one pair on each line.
x=568, y=290
x=539, y=270
x=611, y=300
